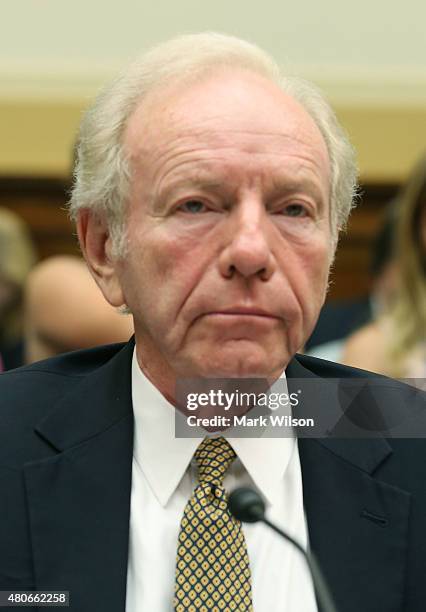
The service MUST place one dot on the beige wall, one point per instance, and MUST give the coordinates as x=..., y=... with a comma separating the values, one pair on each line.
x=368, y=57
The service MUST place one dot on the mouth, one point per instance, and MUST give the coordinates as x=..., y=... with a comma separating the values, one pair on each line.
x=243, y=312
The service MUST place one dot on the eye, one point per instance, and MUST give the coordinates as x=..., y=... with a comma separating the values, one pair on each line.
x=295, y=210
x=192, y=206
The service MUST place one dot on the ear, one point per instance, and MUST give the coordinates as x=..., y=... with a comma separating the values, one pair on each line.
x=96, y=244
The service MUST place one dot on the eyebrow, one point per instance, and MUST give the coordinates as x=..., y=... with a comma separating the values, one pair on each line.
x=305, y=184
x=194, y=182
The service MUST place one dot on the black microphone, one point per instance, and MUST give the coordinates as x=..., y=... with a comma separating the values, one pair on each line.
x=247, y=506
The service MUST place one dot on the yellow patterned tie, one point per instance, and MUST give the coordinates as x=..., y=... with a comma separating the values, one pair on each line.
x=212, y=571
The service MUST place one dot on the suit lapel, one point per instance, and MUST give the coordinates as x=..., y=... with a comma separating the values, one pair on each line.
x=358, y=525
x=79, y=499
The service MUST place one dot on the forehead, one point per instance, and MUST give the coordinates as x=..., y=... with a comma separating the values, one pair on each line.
x=230, y=111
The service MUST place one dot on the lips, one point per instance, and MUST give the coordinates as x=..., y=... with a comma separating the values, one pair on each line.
x=243, y=310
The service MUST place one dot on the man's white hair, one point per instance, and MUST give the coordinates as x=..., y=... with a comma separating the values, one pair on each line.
x=102, y=174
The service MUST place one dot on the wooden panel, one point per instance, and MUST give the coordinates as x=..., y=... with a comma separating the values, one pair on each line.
x=351, y=277
x=41, y=203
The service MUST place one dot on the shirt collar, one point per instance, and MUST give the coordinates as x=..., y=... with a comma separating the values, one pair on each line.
x=163, y=458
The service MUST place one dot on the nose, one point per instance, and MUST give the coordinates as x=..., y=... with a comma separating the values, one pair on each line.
x=248, y=249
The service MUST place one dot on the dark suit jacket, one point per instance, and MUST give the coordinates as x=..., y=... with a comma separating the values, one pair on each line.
x=66, y=434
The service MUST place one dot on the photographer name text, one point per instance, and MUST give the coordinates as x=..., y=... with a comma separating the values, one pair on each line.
x=274, y=420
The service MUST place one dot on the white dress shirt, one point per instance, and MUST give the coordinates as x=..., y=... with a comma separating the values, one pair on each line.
x=163, y=478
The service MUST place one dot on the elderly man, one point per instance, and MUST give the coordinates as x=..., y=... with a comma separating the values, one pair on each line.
x=209, y=194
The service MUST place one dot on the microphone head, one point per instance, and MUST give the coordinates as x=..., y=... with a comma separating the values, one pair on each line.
x=246, y=505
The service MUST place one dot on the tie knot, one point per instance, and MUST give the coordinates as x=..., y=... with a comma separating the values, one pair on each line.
x=213, y=457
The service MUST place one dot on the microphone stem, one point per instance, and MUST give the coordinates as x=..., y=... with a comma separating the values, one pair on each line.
x=322, y=592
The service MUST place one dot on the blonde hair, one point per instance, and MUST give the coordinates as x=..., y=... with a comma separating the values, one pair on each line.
x=408, y=313
x=17, y=257
x=102, y=174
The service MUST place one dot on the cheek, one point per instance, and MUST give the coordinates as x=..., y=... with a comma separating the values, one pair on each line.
x=161, y=272
x=312, y=276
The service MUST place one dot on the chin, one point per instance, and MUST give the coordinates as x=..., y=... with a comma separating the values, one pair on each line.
x=241, y=364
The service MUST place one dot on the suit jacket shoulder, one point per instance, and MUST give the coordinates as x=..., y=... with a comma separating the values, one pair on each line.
x=30, y=393
x=66, y=435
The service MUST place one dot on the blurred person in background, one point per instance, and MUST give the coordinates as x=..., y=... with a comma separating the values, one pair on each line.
x=65, y=311
x=338, y=320
x=384, y=266
x=395, y=343
x=17, y=257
